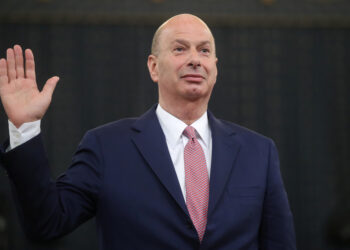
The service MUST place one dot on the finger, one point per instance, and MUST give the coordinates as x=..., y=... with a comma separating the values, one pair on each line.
x=50, y=86
x=19, y=61
x=3, y=72
x=30, y=64
x=11, y=70
x=3, y=67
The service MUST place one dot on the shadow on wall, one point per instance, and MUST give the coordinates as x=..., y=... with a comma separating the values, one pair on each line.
x=338, y=229
x=4, y=244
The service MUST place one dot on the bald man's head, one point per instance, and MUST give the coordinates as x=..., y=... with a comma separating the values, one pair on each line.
x=183, y=62
x=181, y=19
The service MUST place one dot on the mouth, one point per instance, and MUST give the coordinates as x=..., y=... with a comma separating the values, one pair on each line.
x=195, y=78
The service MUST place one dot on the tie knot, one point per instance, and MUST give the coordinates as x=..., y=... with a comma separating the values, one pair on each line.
x=190, y=132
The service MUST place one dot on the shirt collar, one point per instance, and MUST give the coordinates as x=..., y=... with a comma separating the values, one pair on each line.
x=202, y=127
x=174, y=127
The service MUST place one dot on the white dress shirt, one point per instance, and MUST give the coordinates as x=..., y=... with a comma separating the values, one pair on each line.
x=173, y=130
x=22, y=134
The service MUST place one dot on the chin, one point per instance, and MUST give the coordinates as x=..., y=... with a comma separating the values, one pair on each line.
x=194, y=95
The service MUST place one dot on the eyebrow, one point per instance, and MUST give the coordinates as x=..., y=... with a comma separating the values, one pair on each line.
x=184, y=42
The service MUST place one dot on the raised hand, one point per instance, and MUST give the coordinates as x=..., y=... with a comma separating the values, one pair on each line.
x=20, y=96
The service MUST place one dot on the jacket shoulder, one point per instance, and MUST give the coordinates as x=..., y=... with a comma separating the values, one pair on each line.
x=119, y=128
x=247, y=134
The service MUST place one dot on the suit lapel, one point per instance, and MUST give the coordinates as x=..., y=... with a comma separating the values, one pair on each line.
x=225, y=150
x=150, y=141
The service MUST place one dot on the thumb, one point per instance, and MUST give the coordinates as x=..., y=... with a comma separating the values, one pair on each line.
x=50, y=86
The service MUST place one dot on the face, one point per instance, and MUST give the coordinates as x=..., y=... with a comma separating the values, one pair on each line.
x=185, y=65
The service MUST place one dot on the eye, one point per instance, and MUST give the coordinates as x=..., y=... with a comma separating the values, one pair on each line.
x=205, y=50
x=179, y=49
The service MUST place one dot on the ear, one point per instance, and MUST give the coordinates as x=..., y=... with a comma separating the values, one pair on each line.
x=152, y=67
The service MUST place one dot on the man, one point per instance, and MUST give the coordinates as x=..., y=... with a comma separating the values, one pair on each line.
x=174, y=178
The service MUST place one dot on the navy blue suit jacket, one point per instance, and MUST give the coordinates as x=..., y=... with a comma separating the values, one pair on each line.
x=122, y=173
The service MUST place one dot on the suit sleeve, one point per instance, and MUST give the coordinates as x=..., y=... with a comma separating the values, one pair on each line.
x=277, y=229
x=47, y=208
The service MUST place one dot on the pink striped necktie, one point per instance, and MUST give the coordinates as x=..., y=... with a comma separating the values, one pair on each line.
x=196, y=181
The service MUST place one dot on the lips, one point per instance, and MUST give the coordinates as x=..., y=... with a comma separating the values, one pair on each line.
x=193, y=77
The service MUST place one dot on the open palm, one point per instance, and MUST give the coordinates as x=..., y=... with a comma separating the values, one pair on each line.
x=20, y=96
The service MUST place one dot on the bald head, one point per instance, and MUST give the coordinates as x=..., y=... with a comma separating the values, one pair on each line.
x=178, y=20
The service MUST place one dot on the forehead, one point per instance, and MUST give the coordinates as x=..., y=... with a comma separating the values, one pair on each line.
x=191, y=30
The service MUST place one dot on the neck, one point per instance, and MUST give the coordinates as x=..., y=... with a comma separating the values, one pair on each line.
x=188, y=112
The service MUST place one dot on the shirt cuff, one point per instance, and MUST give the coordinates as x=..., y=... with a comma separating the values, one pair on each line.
x=22, y=134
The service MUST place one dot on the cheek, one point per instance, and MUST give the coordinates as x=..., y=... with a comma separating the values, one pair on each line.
x=215, y=72
x=212, y=70
x=170, y=70
x=212, y=76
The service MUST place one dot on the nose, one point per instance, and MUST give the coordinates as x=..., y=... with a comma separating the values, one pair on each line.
x=194, y=60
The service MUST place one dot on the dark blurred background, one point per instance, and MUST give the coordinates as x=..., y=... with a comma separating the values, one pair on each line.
x=283, y=71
